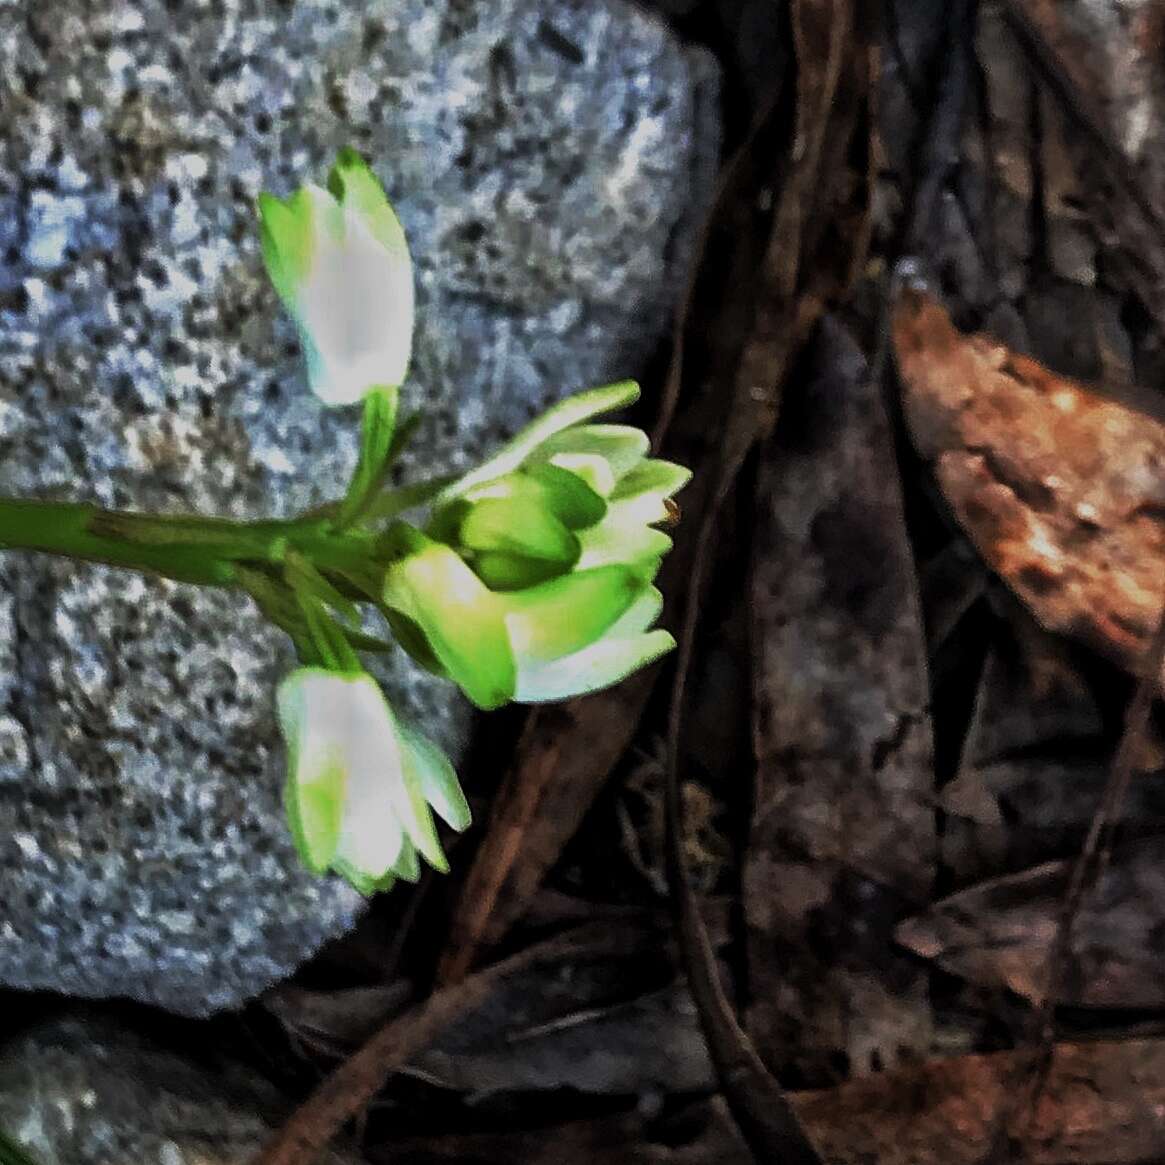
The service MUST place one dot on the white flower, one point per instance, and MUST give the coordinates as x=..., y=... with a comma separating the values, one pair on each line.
x=339, y=260
x=360, y=782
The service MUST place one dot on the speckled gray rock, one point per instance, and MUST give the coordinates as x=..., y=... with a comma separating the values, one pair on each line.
x=549, y=161
x=84, y=1093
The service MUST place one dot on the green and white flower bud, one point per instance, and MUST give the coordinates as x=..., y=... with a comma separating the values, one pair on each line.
x=520, y=529
x=340, y=263
x=360, y=783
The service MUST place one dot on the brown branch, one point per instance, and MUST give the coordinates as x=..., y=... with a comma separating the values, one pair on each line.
x=350, y=1088
x=803, y=269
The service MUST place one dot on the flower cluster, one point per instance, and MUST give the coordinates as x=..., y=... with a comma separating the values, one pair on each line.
x=529, y=579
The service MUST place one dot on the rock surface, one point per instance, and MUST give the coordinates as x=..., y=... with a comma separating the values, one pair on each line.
x=548, y=162
x=83, y=1093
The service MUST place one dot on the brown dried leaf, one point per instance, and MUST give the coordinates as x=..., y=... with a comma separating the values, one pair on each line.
x=601, y=1022
x=842, y=836
x=1060, y=486
x=999, y=933
x=1103, y=1104
x=1035, y=762
x=336, y=1020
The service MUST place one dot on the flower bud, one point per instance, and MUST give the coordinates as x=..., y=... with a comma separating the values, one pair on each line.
x=360, y=783
x=340, y=263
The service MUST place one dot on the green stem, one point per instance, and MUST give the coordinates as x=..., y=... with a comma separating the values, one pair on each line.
x=12, y=1154
x=182, y=547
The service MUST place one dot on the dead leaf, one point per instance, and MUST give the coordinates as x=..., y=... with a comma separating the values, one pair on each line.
x=1034, y=763
x=347, y=1091
x=999, y=933
x=698, y=1134
x=1103, y=1104
x=602, y=1038
x=567, y=753
x=818, y=244
x=334, y=1021
x=561, y=761
x=842, y=838
x=604, y=1022
x=1060, y=486
x=1099, y=60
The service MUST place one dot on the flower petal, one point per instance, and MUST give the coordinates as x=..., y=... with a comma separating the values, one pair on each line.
x=563, y=493
x=622, y=538
x=571, y=411
x=566, y=614
x=285, y=237
x=599, y=666
x=649, y=483
x=340, y=263
x=377, y=811
x=408, y=866
x=512, y=572
x=354, y=185
x=519, y=526
x=357, y=306
x=588, y=467
x=436, y=777
x=307, y=702
x=621, y=446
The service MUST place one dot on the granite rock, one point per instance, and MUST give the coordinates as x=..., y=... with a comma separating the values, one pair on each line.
x=83, y=1092
x=549, y=162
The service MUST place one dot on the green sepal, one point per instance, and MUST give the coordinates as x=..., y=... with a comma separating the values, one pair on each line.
x=413, y=641
x=361, y=641
x=459, y=617
x=391, y=503
x=285, y=239
x=566, y=614
x=445, y=524
x=327, y=636
x=278, y=603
